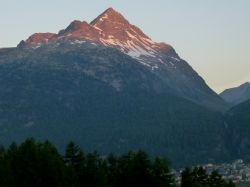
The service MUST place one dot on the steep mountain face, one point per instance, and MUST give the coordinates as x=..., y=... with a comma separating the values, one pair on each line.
x=110, y=88
x=238, y=127
x=112, y=30
x=66, y=93
x=237, y=95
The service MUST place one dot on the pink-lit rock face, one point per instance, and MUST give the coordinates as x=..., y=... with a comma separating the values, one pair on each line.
x=40, y=37
x=118, y=32
x=110, y=29
x=79, y=30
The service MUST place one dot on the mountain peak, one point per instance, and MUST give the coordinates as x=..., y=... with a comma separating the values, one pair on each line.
x=238, y=94
x=110, y=15
x=246, y=84
x=112, y=29
x=110, y=10
x=74, y=26
x=40, y=37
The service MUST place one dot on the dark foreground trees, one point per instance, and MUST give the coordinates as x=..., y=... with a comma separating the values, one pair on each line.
x=198, y=177
x=34, y=164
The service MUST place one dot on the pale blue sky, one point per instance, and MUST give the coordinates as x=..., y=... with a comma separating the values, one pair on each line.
x=212, y=35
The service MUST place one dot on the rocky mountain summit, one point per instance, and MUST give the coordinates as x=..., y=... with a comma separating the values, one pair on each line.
x=111, y=29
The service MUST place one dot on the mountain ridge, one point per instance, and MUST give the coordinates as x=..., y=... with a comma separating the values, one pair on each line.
x=107, y=31
x=237, y=95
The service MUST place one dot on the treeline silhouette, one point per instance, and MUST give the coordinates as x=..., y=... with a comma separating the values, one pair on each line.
x=36, y=164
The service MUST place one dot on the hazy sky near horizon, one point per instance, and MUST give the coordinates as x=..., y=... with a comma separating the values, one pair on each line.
x=212, y=35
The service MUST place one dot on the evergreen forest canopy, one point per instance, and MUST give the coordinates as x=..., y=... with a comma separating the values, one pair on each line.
x=39, y=164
